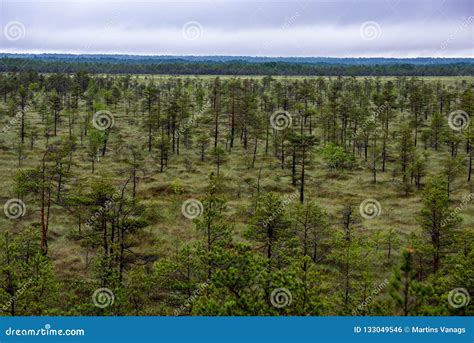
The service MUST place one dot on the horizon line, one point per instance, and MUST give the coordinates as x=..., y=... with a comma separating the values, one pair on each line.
x=223, y=55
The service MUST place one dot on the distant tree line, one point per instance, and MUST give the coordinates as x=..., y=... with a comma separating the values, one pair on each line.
x=236, y=67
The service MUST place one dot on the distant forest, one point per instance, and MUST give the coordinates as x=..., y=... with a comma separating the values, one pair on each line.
x=232, y=65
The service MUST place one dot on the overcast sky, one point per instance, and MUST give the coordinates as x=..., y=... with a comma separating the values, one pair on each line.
x=339, y=28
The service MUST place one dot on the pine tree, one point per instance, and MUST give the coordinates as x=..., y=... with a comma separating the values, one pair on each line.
x=303, y=144
x=237, y=289
x=213, y=224
x=270, y=228
x=311, y=223
x=403, y=284
x=437, y=220
x=406, y=149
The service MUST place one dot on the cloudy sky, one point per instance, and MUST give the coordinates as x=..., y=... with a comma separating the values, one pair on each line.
x=340, y=28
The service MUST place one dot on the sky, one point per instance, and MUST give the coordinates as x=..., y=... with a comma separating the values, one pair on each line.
x=337, y=28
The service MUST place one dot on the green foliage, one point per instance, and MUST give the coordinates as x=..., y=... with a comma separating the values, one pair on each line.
x=270, y=229
x=311, y=224
x=237, y=289
x=155, y=65
x=437, y=220
x=275, y=232
x=177, y=186
x=212, y=225
x=336, y=158
x=27, y=285
x=403, y=285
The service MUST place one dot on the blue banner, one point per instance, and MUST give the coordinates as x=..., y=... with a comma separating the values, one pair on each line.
x=237, y=329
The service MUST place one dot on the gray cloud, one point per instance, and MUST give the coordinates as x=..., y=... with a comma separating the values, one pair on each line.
x=271, y=28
